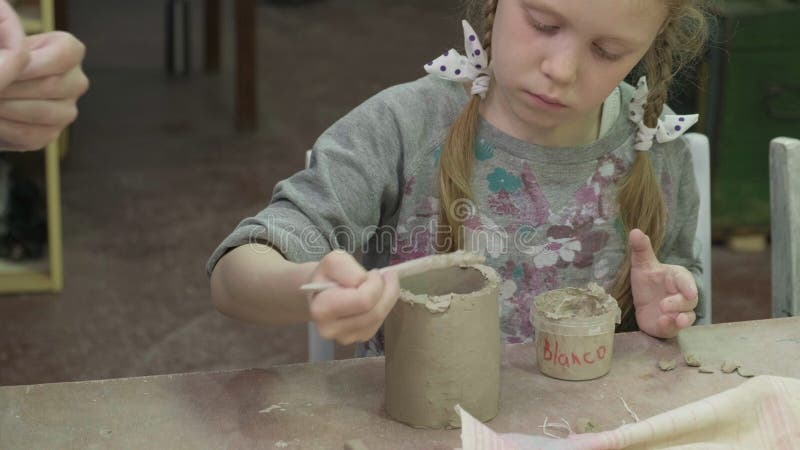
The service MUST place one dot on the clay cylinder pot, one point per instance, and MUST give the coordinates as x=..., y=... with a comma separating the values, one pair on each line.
x=442, y=346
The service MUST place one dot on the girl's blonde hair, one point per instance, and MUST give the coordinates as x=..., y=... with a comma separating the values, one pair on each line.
x=641, y=204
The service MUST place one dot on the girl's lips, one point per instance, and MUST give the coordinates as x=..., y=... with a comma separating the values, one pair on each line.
x=546, y=101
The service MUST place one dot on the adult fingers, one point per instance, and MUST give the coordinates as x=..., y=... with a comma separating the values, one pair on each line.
x=58, y=113
x=70, y=85
x=52, y=53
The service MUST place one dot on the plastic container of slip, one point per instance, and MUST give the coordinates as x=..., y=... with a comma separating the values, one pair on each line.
x=574, y=331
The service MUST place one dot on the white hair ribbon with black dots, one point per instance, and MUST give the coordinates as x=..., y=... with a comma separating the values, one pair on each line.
x=472, y=67
x=670, y=128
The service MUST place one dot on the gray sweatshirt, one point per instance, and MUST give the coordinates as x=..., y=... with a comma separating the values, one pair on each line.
x=544, y=217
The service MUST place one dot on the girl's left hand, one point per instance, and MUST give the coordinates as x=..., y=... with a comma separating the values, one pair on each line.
x=664, y=295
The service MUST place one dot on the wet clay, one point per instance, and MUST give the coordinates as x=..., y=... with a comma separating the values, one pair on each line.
x=729, y=366
x=692, y=360
x=442, y=345
x=667, y=364
x=574, y=302
x=574, y=331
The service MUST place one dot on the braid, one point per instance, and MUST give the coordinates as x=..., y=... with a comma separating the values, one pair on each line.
x=488, y=24
x=455, y=163
x=658, y=66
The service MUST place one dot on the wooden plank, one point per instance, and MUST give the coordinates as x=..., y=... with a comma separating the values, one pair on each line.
x=753, y=344
x=245, y=65
x=784, y=166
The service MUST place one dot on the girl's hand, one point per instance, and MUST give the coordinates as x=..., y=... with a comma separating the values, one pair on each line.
x=664, y=295
x=41, y=101
x=355, y=311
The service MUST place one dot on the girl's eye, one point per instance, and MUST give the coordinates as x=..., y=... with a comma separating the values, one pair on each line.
x=603, y=53
x=544, y=28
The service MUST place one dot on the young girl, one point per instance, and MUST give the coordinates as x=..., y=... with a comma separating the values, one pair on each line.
x=530, y=149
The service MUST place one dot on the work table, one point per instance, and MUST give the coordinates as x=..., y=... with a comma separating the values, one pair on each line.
x=323, y=405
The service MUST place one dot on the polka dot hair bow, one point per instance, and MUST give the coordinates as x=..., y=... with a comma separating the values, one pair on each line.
x=668, y=129
x=456, y=67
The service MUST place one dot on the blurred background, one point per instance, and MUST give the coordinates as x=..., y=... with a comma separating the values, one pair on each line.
x=197, y=108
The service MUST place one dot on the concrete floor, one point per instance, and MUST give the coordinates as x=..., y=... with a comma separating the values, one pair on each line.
x=156, y=176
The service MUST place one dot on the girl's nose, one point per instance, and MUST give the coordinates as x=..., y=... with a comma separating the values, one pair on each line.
x=561, y=65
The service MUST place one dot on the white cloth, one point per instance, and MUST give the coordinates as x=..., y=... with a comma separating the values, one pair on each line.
x=762, y=413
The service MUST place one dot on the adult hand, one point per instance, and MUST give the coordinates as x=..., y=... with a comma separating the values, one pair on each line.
x=42, y=100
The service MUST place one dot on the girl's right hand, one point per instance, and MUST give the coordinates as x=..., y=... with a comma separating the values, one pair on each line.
x=355, y=311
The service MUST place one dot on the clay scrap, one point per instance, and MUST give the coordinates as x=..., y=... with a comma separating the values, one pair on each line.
x=729, y=366
x=692, y=360
x=667, y=364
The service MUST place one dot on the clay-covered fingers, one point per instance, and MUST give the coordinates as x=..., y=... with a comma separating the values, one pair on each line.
x=340, y=302
x=360, y=328
x=680, y=280
x=340, y=267
x=678, y=303
x=666, y=324
x=685, y=319
x=671, y=322
x=680, y=283
x=685, y=283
